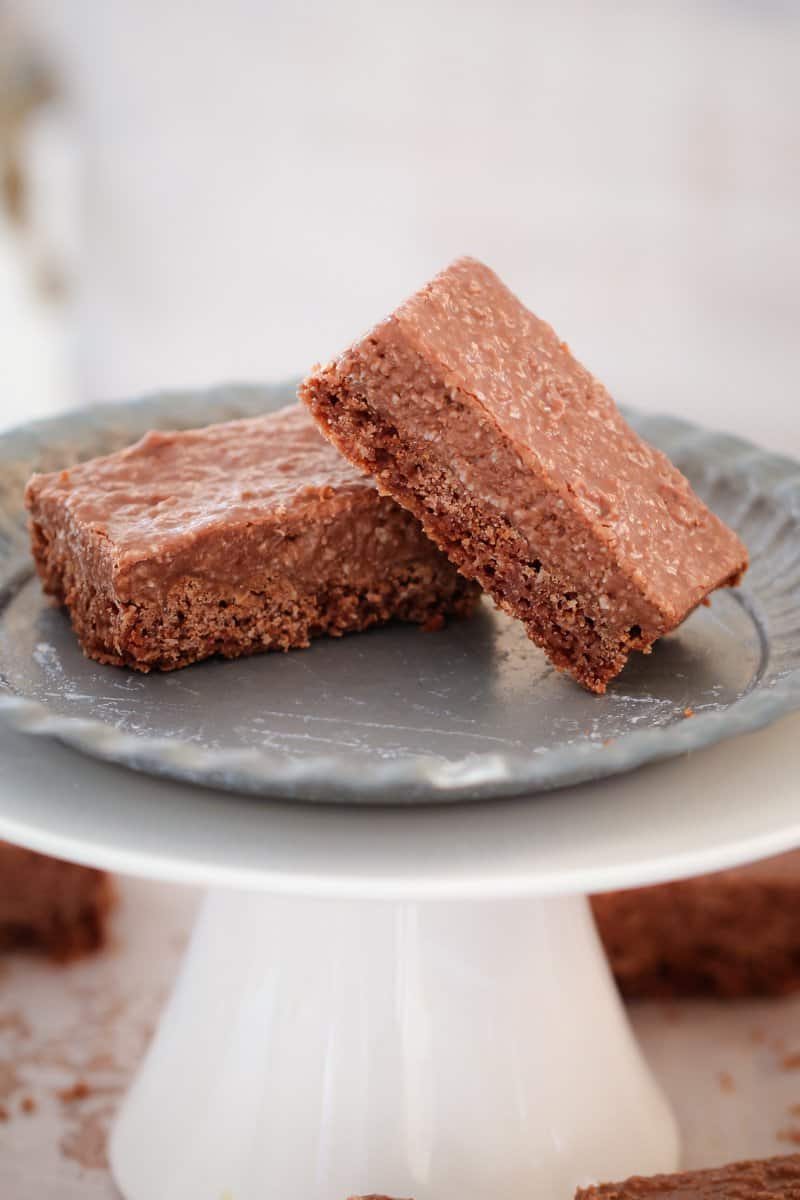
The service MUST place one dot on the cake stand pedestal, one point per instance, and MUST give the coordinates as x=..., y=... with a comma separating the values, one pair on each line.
x=441, y=1050
x=408, y=1001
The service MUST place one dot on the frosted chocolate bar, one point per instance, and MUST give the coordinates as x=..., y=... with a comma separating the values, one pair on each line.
x=731, y=934
x=760, y=1179
x=470, y=411
x=247, y=536
x=57, y=907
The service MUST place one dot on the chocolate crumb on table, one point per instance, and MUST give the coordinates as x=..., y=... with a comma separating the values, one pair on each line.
x=79, y=1090
x=469, y=411
x=733, y=933
x=241, y=537
x=764, y=1179
x=46, y=904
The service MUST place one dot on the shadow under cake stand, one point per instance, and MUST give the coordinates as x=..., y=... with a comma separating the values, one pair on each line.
x=408, y=1000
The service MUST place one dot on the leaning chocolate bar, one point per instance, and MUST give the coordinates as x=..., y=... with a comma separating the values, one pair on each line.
x=469, y=411
x=248, y=536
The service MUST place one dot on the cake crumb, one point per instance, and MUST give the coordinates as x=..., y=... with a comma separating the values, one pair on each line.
x=793, y=1110
x=86, y=1139
x=789, y=1135
x=434, y=623
x=688, y=712
x=791, y=1062
x=77, y=1091
x=3, y=1113
x=28, y=1105
x=726, y=1082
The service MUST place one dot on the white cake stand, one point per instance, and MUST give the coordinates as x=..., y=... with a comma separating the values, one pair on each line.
x=405, y=1001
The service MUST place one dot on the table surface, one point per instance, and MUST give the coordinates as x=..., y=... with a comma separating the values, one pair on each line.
x=732, y=1071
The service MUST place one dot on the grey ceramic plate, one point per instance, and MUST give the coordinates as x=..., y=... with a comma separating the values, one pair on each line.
x=397, y=715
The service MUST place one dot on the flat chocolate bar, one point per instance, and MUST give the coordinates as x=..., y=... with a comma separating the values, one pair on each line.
x=733, y=933
x=762, y=1179
x=242, y=537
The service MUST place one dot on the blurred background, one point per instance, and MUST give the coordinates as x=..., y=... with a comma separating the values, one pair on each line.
x=233, y=189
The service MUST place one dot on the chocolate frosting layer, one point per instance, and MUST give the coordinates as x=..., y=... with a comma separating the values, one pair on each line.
x=171, y=486
x=218, y=503
x=482, y=341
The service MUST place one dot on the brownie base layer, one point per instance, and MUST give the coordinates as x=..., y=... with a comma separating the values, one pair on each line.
x=767, y=1179
x=198, y=620
x=729, y=935
x=48, y=905
x=482, y=544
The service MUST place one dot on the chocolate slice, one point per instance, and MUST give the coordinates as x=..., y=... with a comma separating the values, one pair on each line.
x=242, y=537
x=474, y=415
x=47, y=904
x=764, y=1179
x=733, y=933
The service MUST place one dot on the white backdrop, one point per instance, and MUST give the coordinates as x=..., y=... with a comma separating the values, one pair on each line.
x=264, y=180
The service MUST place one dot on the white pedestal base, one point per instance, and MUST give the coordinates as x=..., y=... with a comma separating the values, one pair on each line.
x=314, y=1050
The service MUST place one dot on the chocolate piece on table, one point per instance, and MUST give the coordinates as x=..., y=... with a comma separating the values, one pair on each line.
x=764, y=1179
x=50, y=905
x=734, y=933
x=468, y=410
x=247, y=536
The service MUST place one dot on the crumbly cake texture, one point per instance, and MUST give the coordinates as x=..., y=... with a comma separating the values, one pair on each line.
x=469, y=411
x=765, y=1179
x=50, y=905
x=242, y=537
x=731, y=934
